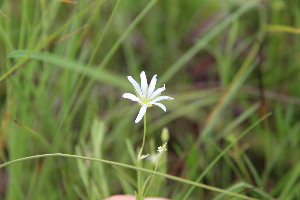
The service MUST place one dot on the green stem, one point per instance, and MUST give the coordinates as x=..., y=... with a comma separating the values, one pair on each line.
x=175, y=178
x=139, y=183
x=139, y=175
x=144, y=137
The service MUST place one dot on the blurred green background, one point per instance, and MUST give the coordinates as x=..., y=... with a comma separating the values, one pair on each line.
x=63, y=70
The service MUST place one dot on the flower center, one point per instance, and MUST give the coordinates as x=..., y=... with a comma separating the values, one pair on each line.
x=146, y=102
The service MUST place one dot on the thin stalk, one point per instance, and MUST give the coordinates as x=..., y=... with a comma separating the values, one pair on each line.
x=175, y=178
x=139, y=175
x=144, y=137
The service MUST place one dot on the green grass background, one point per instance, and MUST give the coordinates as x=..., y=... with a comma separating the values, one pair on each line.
x=226, y=63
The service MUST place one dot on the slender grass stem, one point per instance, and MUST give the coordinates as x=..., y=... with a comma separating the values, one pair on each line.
x=182, y=180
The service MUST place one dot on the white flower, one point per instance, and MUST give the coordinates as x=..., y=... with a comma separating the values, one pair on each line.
x=162, y=148
x=154, y=158
x=146, y=96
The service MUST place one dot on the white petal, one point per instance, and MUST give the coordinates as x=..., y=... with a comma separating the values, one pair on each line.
x=161, y=98
x=157, y=92
x=144, y=84
x=159, y=149
x=130, y=96
x=141, y=113
x=161, y=106
x=143, y=157
x=151, y=86
x=162, y=148
x=135, y=85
